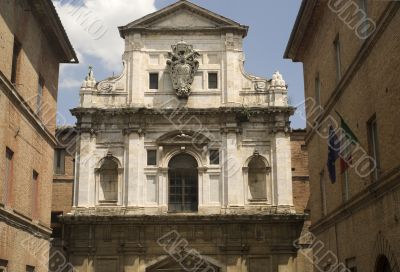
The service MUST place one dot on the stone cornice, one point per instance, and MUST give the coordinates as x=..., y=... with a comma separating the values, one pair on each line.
x=205, y=111
x=20, y=222
x=375, y=191
x=18, y=101
x=185, y=219
x=52, y=27
x=299, y=29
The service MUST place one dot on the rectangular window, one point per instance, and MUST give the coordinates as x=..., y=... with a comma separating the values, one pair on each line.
x=338, y=58
x=351, y=264
x=7, y=186
x=151, y=157
x=15, y=61
x=317, y=90
x=35, y=194
x=214, y=157
x=212, y=80
x=59, y=161
x=30, y=268
x=39, y=95
x=153, y=79
x=374, y=145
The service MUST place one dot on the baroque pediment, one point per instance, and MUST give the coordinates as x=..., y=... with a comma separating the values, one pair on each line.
x=183, y=15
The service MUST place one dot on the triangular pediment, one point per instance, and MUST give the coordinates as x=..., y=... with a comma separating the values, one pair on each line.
x=184, y=18
x=183, y=15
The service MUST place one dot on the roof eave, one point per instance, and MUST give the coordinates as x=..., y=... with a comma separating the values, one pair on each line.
x=300, y=26
x=47, y=11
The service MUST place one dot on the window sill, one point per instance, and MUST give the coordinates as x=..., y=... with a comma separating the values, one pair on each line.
x=260, y=201
x=108, y=202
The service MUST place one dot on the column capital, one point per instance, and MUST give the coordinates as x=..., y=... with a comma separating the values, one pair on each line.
x=139, y=131
x=89, y=130
x=163, y=170
x=226, y=130
x=202, y=169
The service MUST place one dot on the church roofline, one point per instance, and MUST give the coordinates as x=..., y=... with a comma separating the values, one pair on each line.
x=224, y=23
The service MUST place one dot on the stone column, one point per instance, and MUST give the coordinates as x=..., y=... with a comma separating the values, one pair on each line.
x=125, y=188
x=163, y=188
x=282, y=168
x=232, y=166
x=134, y=164
x=204, y=193
x=87, y=163
x=232, y=70
x=135, y=72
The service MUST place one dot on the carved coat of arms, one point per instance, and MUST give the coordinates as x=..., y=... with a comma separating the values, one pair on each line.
x=182, y=66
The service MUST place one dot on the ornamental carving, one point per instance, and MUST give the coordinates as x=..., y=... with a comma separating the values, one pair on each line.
x=182, y=66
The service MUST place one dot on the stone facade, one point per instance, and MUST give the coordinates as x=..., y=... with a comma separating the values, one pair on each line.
x=353, y=73
x=33, y=44
x=184, y=145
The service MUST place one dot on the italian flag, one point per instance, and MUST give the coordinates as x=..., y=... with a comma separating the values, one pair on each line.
x=347, y=142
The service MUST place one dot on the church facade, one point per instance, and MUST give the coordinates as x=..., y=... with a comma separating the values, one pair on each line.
x=184, y=160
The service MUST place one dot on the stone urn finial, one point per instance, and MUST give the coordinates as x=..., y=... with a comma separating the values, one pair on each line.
x=90, y=81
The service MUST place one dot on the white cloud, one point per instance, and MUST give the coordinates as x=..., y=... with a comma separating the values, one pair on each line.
x=92, y=25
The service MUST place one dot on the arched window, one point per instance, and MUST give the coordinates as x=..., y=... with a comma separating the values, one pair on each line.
x=383, y=264
x=108, y=189
x=257, y=179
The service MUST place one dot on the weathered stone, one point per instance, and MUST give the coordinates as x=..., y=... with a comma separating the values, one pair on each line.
x=210, y=168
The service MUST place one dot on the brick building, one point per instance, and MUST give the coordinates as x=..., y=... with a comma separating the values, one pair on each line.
x=63, y=181
x=33, y=43
x=300, y=177
x=350, y=52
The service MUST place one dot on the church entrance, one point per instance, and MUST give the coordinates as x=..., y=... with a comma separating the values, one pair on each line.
x=183, y=184
x=188, y=264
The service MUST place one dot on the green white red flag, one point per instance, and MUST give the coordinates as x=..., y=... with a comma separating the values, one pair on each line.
x=347, y=143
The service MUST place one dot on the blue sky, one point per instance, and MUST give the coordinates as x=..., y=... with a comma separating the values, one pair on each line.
x=270, y=23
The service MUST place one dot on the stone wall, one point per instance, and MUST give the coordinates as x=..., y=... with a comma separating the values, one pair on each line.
x=229, y=243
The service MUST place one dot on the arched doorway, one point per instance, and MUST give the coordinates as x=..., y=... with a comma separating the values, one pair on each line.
x=189, y=263
x=183, y=193
x=383, y=264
